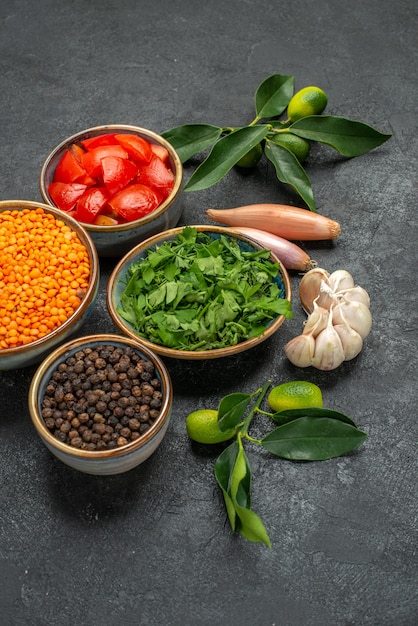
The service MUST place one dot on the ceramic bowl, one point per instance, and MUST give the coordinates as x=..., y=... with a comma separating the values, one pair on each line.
x=117, y=240
x=116, y=287
x=34, y=352
x=103, y=462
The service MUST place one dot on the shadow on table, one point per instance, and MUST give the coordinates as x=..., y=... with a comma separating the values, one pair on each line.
x=191, y=377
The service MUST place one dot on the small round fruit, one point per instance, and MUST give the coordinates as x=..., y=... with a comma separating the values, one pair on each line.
x=296, y=394
x=252, y=157
x=300, y=147
x=307, y=101
x=202, y=426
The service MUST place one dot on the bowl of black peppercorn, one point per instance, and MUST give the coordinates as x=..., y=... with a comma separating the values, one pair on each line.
x=101, y=403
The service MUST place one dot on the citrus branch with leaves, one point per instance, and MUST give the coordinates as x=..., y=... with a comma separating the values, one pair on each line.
x=228, y=145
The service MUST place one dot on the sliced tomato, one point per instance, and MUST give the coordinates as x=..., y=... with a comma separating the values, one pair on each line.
x=106, y=139
x=158, y=176
x=90, y=204
x=105, y=220
x=139, y=149
x=134, y=202
x=117, y=173
x=91, y=159
x=69, y=169
x=65, y=195
x=161, y=152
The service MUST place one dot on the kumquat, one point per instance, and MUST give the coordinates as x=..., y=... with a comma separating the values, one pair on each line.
x=44, y=275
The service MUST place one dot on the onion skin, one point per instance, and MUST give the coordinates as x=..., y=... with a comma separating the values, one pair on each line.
x=289, y=254
x=282, y=220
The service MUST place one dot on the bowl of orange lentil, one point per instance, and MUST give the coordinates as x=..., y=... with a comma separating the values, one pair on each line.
x=49, y=279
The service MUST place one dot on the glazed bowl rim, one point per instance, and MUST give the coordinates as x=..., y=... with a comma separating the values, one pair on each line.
x=198, y=354
x=57, y=356
x=94, y=272
x=102, y=130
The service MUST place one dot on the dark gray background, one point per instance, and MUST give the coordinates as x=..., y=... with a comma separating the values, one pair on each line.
x=153, y=547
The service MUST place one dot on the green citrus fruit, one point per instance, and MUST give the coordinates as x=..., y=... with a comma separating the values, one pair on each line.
x=300, y=147
x=252, y=157
x=202, y=426
x=307, y=101
x=297, y=394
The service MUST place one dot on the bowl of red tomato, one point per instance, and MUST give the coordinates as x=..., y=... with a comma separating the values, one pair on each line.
x=122, y=183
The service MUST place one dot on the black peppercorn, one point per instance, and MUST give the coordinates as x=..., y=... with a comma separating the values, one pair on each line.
x=102, y=399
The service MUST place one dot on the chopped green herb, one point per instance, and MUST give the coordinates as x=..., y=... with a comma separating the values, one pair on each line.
x=202, y=291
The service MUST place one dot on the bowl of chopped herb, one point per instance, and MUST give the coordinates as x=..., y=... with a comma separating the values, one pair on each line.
x=49, y=278
x=101, y=403
x=199, y=292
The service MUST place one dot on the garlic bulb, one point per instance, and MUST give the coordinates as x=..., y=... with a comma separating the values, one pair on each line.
x=300, y=350
x=339, y=319
x=329, y=352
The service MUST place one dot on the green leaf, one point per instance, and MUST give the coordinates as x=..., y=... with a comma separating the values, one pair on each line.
x=251, y=526
x=288, y=415
x=226, y=152
x=273, y=95
x=231, y=410
x=224, y=466
x=313, y=439
x=349, y=137
x=238, y=473
x=290, y=171
x=190, y=139
x=233, y=475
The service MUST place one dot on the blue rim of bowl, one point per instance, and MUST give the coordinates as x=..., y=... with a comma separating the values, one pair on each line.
x=94, y=264
x=46, y=368
x=105, y=130
x=215, y=231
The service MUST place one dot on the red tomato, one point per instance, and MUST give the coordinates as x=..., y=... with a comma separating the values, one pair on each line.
x=100, y=140
x=161, y=152
x=70, y=170
x=76, y=151
x=139, y=149
x=90, y=204
x=117, y=173
x=91, y=159
x=156, y=175
x=134, y=201
x=105, y=220
x=65, y=195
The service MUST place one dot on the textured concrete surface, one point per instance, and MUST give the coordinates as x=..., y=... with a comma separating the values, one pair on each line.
x=152, y=547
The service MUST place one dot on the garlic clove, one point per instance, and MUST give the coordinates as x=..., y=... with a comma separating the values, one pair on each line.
x=309, y=287
x=355, y=294
x=326, y=297
x=316, y=321
x=300, y=350
x=351, y=341
x=329, y=353
x=356, y=314
x=340, y=279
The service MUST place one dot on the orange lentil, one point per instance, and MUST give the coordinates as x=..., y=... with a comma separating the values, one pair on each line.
x=44, y=273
